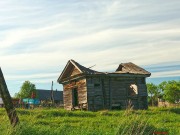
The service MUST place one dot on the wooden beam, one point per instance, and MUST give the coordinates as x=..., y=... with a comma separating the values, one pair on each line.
x=110, y=94
x=103, y=93
x=11, y=112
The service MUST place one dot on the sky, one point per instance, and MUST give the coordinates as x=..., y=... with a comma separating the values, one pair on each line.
x=37, y=38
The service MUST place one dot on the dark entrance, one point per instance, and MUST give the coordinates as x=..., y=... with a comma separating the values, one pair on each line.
x=75, y=97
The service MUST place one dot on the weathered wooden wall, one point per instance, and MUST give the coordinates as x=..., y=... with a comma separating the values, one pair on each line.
x=119, y=92
x=120, y=89
x=98, y=93
x=75, y=71
x=67, y=94
x=113, y=92
x=106, y=92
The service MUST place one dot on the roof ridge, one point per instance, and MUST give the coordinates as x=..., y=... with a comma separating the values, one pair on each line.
x=130, y=67
x=124, y=68
x=82, y=68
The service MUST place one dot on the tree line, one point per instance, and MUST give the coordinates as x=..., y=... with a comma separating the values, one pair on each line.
x=167, y=91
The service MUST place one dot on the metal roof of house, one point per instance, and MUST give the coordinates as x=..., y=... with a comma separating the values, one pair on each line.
x=46, y=94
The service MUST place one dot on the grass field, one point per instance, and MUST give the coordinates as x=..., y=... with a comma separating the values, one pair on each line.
x=61, y=122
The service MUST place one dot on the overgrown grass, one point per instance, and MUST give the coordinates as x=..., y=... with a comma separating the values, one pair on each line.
x=124, y=122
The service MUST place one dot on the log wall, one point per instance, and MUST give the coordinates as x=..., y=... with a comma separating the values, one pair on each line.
x=98, y=93
x=106, y=92
x=113, y=93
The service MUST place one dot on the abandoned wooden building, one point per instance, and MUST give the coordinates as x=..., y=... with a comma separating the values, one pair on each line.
x=84, y=88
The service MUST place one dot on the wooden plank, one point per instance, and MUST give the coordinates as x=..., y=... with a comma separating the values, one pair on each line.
x=11, y=112
x=80, y=85
x=75, y=71
x=110, y=94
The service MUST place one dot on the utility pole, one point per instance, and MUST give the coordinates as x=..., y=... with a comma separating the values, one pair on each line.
x=52, y=94
x=11, y=112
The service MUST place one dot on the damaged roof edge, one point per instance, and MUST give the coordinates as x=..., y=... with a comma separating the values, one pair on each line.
x=102, y=75
x=131, y=68
x=124, y=69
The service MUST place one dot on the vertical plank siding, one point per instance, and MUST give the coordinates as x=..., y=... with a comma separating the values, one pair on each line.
x=113, y=93
x=75, y=72
x=106, y=93
x=67, y=94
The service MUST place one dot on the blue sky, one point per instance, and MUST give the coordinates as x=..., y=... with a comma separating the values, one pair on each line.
x=37, y=38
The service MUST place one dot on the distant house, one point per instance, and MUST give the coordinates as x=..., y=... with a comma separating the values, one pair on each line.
x=45, y=95
x=92, y=90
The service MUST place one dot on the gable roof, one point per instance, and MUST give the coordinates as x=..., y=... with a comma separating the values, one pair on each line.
x=83, y=70
x=124, y=68
x=46, y=94
x=131, y=68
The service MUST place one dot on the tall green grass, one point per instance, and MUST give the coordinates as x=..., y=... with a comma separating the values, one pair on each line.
x=124, y=122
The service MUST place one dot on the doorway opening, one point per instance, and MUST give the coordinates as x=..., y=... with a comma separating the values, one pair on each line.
x=75, y=97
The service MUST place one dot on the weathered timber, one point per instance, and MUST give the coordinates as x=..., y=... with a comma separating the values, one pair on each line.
x=75, y=72
x=68, y=96
x=11, y=112
x=101, y=90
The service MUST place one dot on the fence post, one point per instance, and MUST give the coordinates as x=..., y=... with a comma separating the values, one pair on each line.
x=11, y=112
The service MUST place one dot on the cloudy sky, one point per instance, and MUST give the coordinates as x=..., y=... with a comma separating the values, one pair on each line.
x=37, y=38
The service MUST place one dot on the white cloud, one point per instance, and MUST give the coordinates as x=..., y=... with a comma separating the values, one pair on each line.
x=166, y=74
x=32, y=76
x=46, y=34
x=97, y=46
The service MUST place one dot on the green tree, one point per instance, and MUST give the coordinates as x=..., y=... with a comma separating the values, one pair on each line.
x=162, y=86
x=172, y=91
x=26, y=90
x=153, y=92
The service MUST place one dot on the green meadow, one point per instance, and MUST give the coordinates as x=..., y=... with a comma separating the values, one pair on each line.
x=124, y=122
